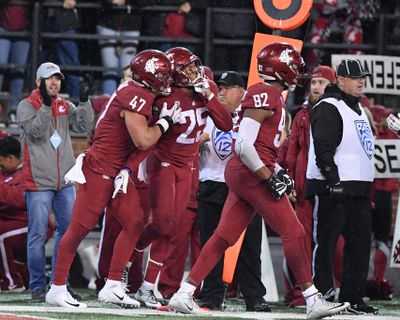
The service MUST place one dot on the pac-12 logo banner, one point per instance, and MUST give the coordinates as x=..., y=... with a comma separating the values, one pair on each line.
x=222, y=143
x=365, y=135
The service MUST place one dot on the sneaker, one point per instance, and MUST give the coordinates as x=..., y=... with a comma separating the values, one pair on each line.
x=39, y=295
x=115, y=293
x=185, y=303
x=148, y=299
x=362, y=308
x=13, y=289
x=63, y=299
x=323, y=308
x=74, y=294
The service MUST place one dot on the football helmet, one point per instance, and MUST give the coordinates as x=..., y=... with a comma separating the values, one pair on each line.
x=152, y=69
x=281, y=62
x=181, y=58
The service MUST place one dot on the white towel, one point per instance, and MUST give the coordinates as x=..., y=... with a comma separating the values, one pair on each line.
x=75, y=174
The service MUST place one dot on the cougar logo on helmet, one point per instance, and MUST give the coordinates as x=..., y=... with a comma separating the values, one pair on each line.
x=152, y=69
x=150, y=66
x=281, y=62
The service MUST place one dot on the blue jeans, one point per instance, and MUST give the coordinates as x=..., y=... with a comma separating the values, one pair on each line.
x=116, y=55
x=14, y=51
x=68, y=54
x=39, y=204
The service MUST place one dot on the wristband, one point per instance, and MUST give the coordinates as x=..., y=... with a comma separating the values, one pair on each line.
x=210, y=96
x=163, y=124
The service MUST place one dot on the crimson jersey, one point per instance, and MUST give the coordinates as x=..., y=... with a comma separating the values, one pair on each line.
x=179, y=145
x=112, y=143
x=265, y=96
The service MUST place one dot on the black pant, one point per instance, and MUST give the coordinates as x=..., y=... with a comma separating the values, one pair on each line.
x=382, y=215
x=351, y=218
x=211, y=198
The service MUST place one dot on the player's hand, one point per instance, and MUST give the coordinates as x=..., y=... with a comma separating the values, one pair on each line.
x=337, y=192
x=293, y=196
x=275, y=186
x=393, y=122
x=43, y=92
x=284, y=177
x=121, y=181
x=169, y=117
x=201, y=85
x=85, y=87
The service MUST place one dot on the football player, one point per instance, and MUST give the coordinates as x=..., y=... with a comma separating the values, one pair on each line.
x=122, y=129
x=170, y=165
x=257, y=184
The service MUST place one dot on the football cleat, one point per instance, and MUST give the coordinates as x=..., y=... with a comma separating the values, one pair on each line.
x=363, y=308
x=323, y=308
x=63, y=299
x=114, y=292
x=148, y=299
x=185, y=303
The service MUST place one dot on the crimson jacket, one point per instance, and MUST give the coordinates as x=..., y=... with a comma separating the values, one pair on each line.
x=297, y=154
x=12, y=202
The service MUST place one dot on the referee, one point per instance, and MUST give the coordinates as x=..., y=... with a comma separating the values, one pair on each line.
x=340, y=172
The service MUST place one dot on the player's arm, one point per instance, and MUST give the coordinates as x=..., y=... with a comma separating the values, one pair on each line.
x=143, y=136
x=244, y=148
x=247, y=135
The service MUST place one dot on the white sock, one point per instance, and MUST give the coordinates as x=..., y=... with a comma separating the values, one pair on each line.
x=186, y=287
x=146, y=286
x=112, y=283
x=57, y=289
x=309, y=295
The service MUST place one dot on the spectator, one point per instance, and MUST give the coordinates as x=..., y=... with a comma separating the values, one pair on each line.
x=254, y=187
x=66, y=20
x=14, y=17
x=340, y=172
x=214, y=155
x=45, y=119
x=120, y=20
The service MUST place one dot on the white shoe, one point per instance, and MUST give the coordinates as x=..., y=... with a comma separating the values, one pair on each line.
x=323, y=308
x=114, y=292
x=63, y=299
x=184, y=302
x=148, y=299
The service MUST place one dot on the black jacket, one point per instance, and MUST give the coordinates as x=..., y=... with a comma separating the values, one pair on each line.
x=327, y=130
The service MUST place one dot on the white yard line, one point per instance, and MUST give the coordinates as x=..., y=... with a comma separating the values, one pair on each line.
x=132, y=312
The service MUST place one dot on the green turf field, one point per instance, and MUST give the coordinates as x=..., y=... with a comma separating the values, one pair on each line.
x=19, y=304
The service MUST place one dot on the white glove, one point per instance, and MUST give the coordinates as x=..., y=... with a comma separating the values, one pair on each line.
x=201, y=84
x=169, y=117
x=393, y=123
x=121, y=181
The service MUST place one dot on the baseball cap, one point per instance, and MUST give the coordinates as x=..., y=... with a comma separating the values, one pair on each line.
x=231, y=78
x=48, y=69
x=324, y=72
x=352, y=69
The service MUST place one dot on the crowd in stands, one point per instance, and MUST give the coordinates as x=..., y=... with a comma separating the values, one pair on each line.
x=141, y=156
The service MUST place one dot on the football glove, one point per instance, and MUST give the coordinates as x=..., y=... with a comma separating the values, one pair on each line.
x=200, y=85
x=393, y=123
x=121, y=181
x=43, y=92
x=169, y=117
x=275, y=186
x=284, y=177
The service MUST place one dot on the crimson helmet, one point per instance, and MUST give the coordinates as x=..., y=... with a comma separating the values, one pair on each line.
x=281, y=62
x=153, y=69
x=181, y=58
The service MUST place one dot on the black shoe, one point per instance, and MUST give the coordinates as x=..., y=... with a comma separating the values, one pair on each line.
x=257, y=305
x=74, y=294
x=210, y=305
x=39, y=295
x=362, y=308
